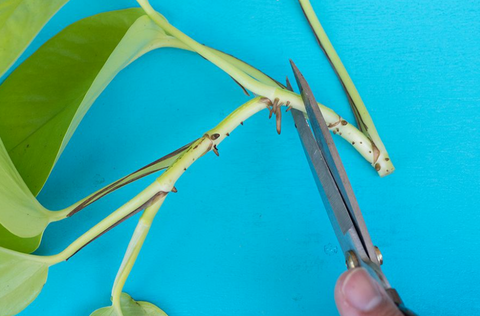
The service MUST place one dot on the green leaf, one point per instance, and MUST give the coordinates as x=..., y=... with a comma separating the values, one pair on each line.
x=20, y=22
x=21, y=280
x=20, y=212
x=44, y=99
x=129, y=307
x=14, y=242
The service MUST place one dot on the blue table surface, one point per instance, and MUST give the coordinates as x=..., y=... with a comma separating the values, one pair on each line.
x=247, y=233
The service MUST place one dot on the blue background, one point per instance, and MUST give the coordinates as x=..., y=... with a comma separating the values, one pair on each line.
x=247, y=234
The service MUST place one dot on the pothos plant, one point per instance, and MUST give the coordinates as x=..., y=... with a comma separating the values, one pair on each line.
x=43, y=101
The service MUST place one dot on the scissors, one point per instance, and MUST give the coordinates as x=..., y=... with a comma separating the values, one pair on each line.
x=336, y=191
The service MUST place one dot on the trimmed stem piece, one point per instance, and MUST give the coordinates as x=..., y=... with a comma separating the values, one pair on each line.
x=381, y=160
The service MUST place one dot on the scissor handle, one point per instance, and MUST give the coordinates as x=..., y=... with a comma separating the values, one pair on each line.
x=398, y=301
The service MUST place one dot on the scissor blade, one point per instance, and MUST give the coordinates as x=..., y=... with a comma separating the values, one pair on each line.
x=348, y=225
x=332, y=199
x=326, y=145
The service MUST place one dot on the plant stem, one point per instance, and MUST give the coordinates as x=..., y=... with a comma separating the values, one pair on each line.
x=136, y=243
x=336, y=123
x=164, y=183
x=361, y=142
x=363, y=118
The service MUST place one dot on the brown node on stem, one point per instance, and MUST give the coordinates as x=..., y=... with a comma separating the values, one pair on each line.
x=376, y=152
x=266, y=101
x=331, y=125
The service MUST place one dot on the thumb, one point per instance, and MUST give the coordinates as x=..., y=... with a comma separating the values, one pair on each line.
x=357, y=294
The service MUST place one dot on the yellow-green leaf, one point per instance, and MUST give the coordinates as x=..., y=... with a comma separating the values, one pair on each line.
x=44, y=99
x=20, y=22
x=21, y=280
x=11, y=241
x=20, y=212
x=129, y=307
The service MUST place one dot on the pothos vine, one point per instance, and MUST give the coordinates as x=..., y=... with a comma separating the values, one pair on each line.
x=270, y=95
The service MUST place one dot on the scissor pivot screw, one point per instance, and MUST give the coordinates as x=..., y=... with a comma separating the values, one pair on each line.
x=351, y=260
x=379, y=255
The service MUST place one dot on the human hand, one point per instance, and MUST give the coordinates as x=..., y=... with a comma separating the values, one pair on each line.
x=357, y=294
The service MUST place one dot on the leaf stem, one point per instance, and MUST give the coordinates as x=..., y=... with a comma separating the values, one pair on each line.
x=156, y=166
x=139, y=202
x=133, y=249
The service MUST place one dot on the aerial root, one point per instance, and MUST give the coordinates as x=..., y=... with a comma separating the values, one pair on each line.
x=289, y=107
x=215, y=150
x=278, y=115
x=275, y=108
